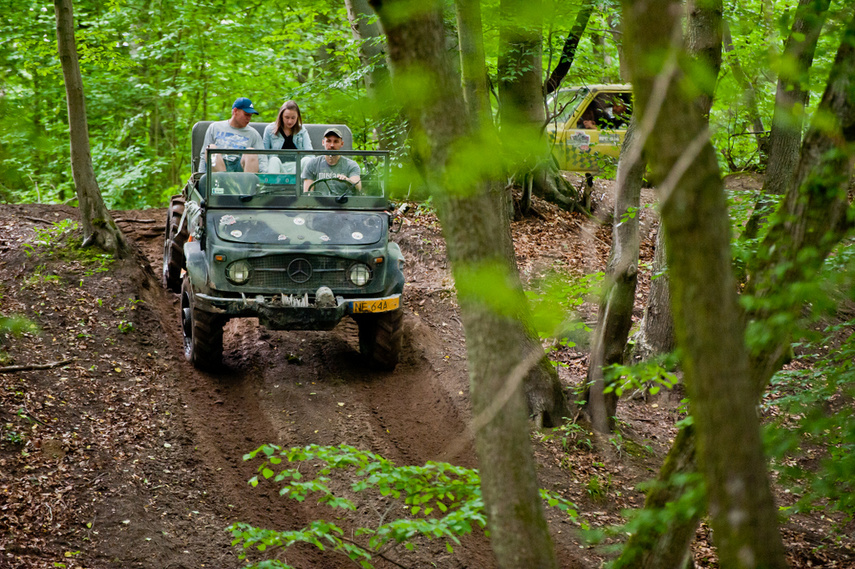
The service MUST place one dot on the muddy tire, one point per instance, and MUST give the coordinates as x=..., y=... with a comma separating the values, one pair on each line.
x=175, y=236
x=203, y=331
x=380, y=338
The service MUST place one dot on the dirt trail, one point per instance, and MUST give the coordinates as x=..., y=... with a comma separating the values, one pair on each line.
x=299, y=388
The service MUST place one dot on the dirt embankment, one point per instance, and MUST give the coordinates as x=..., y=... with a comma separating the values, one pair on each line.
x=116, y=453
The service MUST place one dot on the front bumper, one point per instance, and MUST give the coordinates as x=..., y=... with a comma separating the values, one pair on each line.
x=291, y=312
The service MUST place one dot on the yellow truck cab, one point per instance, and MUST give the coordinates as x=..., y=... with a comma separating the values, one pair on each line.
x=588, y=125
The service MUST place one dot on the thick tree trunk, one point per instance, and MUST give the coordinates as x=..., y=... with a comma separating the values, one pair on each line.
x=704, y=42
x=815, y=214
x=568, y=52
x=790, y=101
x=500, y=349
x=98, y=226
x=707, y=318
x=614, y=317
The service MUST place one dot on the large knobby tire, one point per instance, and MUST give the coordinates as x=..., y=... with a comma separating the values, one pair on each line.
x=203, y=331
x=175, y=236
x=380, y=338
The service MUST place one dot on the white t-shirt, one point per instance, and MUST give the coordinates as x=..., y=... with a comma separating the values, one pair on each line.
x=223, y=135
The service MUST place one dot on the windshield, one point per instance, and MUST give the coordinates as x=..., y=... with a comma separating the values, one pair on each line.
x=295, y=179
x=563, y=104
x=300, y=227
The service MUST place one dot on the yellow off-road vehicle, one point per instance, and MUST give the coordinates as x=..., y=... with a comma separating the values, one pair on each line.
x=588, y=125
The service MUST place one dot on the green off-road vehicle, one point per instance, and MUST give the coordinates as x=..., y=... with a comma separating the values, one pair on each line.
x=241, y=244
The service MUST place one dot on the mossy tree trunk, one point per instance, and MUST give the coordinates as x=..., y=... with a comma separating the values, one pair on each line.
x=499, y=344
x=703, y=41
x=707, y=319
x=99, y=229
x=656, y=334
x=704, y=31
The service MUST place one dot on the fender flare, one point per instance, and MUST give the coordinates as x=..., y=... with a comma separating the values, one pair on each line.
x=197, y=266
x=395, y=268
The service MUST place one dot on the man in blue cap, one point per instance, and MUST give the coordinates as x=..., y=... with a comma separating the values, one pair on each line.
x=234, y=133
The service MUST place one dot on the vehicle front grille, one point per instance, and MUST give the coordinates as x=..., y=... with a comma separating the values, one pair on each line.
x=300, y=272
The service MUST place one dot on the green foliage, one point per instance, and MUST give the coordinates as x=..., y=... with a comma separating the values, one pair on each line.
x=435, y=501
x=648, y=376
x=12, y=436
x=650, y=521
x=151, y=72
x=598, y=487
x=812, y=435
x=17, y=325
x=571, y=435
x=62, y=240
x=554, y=299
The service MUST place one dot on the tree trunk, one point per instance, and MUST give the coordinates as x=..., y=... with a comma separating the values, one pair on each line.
x=500, y=350
x=521, y=109
x=657, y=324
x=790, y=101
x=703, y=35
x=704, y=42
x=568, y=52
x=377, y=82
x=707, y=318
x=820, y=190
x=614, y=317
x=792, y=96
x=473, y=69
x=815, y=214
x=98, y=226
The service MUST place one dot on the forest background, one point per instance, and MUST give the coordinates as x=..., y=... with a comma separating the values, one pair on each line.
x=151, y=71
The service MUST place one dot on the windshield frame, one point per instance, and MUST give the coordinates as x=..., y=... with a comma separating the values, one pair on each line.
x=265, y=192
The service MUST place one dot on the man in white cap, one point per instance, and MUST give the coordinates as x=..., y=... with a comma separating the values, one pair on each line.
x=234, y=133
x=333, y=167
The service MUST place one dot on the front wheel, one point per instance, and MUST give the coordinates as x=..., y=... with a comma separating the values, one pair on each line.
x=380, y=338
x=175, y=236
x=203, y=331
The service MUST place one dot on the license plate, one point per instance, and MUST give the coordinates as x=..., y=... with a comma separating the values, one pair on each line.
x=379, y=305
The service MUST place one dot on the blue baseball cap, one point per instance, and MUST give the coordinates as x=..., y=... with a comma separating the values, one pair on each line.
x=245, y=105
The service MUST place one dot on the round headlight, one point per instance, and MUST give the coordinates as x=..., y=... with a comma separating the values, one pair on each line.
x=238, y=272
x=359, y=274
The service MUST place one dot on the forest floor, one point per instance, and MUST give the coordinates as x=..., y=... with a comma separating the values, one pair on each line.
x=123, y=455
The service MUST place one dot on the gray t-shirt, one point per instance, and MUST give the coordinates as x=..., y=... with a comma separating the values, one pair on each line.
x=223, y=135
x=319, y=169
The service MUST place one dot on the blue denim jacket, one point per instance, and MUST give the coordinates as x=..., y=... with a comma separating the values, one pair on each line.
x=275, y=141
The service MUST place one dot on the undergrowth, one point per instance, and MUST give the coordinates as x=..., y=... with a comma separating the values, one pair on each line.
x=434, y=501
